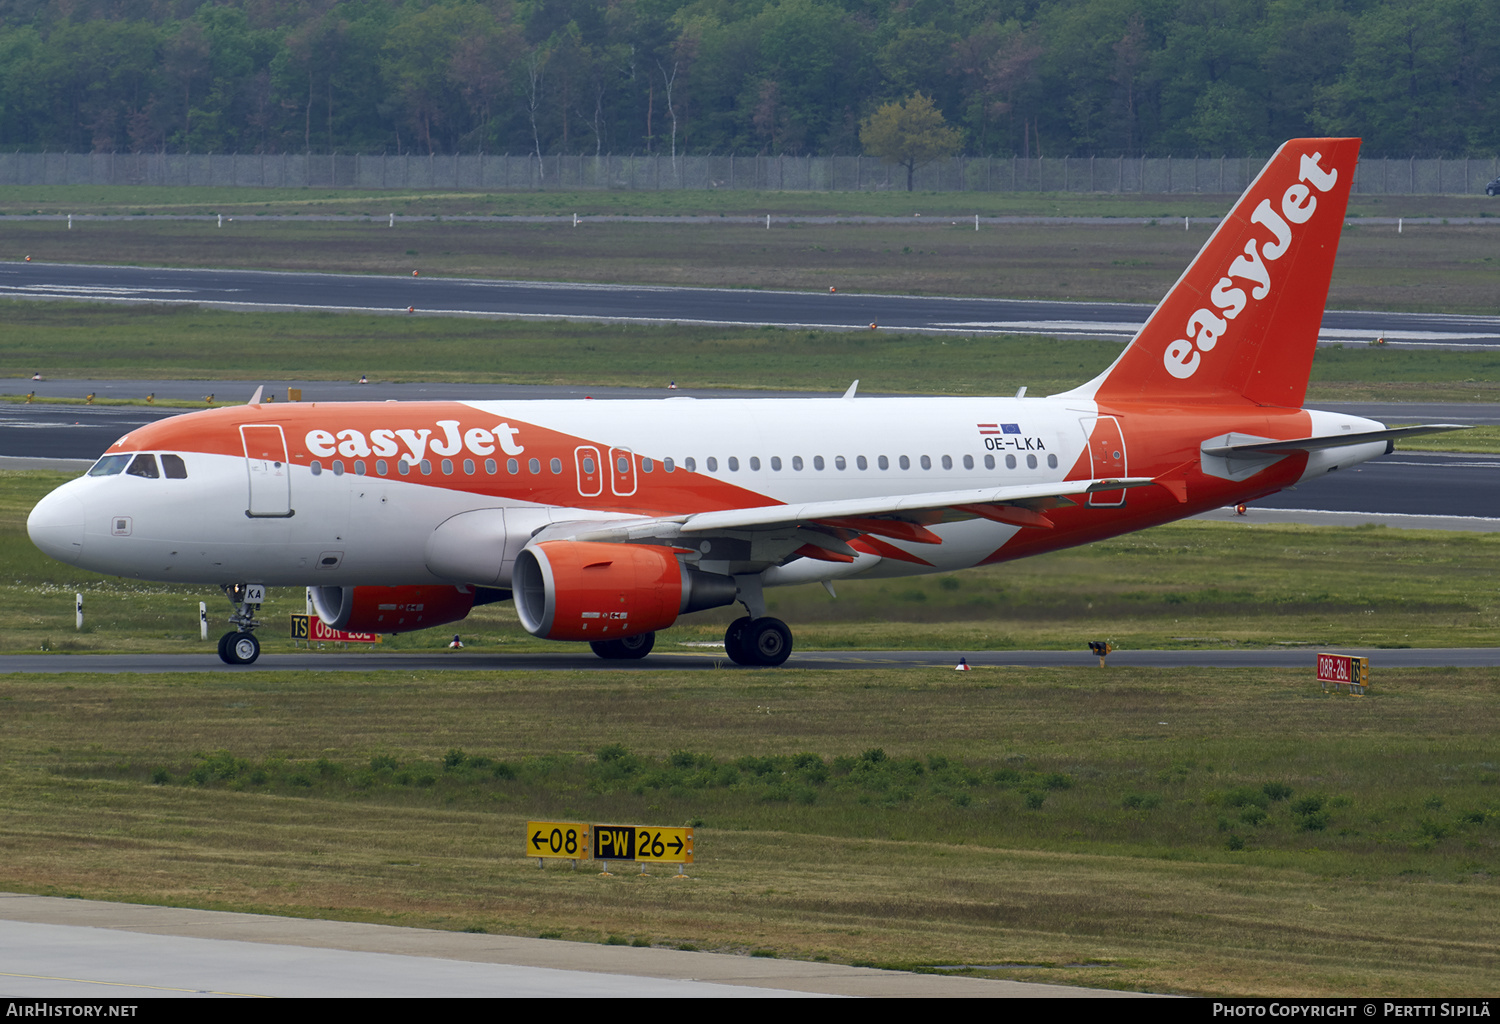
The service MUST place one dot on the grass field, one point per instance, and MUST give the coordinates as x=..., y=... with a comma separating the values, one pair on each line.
x=73, y=340
x=147, y=201
x=1181, y=831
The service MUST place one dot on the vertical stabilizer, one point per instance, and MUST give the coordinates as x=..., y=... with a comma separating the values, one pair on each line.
x=1242, y=321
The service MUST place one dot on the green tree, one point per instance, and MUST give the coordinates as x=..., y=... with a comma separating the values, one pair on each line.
x=909, y=133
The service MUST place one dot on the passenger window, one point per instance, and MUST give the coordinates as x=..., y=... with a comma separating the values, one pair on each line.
x=174, y=467
x=713, y=464
x=968, y=462
x=512, y=466
x=143, y=465
x=645, y=465
x=838, y=462
x=905, y=462
x=425, y=466
x=947, y=462
x=489, y=466
x=381, y=467
x=691, y=464
x=734, y=464
x=1031, y=462
x=110, y=465
x=883, y=462
x=1010, y=461
x=403, y=467
x=338, y=467
x=1052, y=462
x=468, y=467
x=862, y=462
x=535, y=465
x=668, y=465
x=926, y=462
x=797, y=463
x=989, y=461
x=776, y=463
x=359, y=467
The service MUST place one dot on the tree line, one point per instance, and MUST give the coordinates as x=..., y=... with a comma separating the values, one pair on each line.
x=1011, y=77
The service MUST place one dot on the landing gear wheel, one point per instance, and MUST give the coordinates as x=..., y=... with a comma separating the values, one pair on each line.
x=626, y=648
x=768, y=641
x=239, y=648
x=734, y=641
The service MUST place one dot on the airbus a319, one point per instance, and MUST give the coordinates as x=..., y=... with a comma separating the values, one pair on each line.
x=605, y=521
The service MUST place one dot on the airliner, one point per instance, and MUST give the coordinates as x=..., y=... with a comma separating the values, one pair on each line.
x=604, y=521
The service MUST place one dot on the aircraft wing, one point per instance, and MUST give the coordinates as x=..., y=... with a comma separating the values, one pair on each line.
x=902, y=517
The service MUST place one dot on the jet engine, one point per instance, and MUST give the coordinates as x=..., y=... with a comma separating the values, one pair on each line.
x=579, y=590
x=395, y=609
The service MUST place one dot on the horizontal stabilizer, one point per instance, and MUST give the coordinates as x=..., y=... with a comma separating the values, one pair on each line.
x=1311, y=444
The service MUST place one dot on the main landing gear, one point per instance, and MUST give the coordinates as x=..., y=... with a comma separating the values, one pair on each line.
x=240, y=647
x=758, y=641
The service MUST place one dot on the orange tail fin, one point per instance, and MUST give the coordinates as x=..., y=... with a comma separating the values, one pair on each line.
x=1242, y=321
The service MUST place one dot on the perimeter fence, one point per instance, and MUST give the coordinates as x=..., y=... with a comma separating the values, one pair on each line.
x=1153, y=175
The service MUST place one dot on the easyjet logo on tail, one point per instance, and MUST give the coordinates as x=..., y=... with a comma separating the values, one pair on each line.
x=1206, y=326
x=354, y=444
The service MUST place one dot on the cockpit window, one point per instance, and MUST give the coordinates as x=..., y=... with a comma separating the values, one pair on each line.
x=110, y=465
x=143, y=465
x=174, y=467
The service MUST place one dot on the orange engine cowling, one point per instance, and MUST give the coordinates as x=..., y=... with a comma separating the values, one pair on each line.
x=391, y=609
x=579, y=590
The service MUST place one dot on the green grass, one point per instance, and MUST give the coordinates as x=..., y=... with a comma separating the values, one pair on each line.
x=81, y=340
x=1168, y=830
x=200, y=200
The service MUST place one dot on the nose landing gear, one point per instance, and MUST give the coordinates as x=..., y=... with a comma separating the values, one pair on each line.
x=240, y=647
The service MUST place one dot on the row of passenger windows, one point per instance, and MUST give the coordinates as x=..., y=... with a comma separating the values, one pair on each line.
x=143, y=465
x=711, y=464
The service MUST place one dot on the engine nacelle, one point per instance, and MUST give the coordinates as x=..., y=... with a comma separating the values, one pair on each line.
x=391, y=609
x=579, y=590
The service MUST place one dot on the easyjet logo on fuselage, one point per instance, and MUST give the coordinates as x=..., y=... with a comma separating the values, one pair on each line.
x=385, y=443
x=1206, y=326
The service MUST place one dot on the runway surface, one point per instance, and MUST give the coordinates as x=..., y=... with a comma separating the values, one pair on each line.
x=434, y=296
x=82, y=949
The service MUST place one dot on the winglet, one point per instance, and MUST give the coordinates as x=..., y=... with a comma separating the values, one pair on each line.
x=852, y=388
x=255, y=398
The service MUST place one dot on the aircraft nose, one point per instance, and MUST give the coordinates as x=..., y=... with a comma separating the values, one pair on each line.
x=56, y=526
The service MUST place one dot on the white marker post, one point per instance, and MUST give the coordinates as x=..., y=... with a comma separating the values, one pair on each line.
x=78, y=608
x=70, y=222
x=202, y=621
x=976, y=222
x=393, y=220
x=768, y=222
